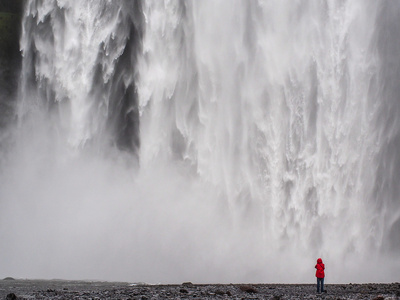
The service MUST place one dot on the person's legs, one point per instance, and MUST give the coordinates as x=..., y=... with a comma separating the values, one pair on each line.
x=318, y=281
x=322, y=285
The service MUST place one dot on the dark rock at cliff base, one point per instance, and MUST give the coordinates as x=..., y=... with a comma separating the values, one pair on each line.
x=8, y=278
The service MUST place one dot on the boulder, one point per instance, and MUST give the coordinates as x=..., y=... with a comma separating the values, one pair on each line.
x=248, y=289
x=11, y=296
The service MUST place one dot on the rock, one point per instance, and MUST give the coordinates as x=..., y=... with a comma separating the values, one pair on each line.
x=9, y=35
x=187, y=283
x=248, y=289
x=11, y=296
x=8, y=278
x=89, y=290
x=219, y=292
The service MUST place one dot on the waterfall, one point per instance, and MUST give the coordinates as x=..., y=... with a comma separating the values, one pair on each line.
x=205, y=141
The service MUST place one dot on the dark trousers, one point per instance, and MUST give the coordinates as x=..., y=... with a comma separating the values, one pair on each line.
x=320, y=281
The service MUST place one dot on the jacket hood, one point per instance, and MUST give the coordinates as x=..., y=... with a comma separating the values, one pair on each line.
x=319, y=261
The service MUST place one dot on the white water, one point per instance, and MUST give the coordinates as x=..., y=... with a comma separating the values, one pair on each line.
x=268, y=138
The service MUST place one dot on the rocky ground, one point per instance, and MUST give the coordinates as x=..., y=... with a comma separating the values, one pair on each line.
x=57, y=289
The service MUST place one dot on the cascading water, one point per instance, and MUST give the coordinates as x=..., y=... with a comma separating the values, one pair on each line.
x=210, y=141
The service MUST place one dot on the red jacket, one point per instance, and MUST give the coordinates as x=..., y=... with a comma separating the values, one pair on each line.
x=320, y=269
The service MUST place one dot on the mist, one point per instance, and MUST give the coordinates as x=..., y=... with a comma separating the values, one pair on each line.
x=204, y=141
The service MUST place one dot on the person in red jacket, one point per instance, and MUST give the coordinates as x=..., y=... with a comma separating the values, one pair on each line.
x=320, y=274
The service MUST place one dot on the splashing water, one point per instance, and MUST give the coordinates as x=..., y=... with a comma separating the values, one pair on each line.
x=210, y=141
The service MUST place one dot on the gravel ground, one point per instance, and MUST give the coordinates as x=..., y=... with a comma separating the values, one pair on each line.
x=60, y=289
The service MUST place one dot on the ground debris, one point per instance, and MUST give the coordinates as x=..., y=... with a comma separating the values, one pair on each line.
x=58, y=289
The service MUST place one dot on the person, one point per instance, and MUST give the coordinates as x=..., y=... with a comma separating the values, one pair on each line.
x=320, y=274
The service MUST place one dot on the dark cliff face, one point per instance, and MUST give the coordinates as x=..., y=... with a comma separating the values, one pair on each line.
x=10, y=27
x=10, y=56
x=11, y=6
